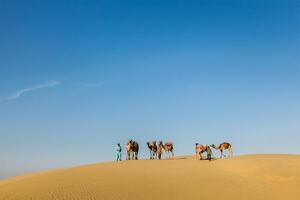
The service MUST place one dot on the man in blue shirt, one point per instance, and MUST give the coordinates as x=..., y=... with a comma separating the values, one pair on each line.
x=119, y=150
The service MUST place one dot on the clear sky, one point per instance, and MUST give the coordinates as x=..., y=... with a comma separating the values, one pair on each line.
x=76, y=77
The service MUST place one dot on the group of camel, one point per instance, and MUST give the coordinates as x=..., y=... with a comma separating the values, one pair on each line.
x=132, y=150
x=201, y=148
x=156, y=149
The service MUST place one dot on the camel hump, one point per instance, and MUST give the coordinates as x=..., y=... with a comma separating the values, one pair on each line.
x=226, y=143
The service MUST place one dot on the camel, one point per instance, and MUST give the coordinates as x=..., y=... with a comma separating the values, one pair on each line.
x=169, y=148
x=153, y=149
x=222, y=147
x=132, y=149
x=199, y=149
x=160, y=148
x=129, y=149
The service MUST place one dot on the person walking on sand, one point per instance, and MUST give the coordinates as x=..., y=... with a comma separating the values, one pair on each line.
x=119, y=152
x=209, y=153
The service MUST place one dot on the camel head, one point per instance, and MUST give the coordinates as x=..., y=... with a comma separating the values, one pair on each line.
x=154, y=143
x=129, y=142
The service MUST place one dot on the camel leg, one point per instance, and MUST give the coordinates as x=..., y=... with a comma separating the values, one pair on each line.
x=198, y=155
x=221, y=153
x=224, y=155
x=172, y=154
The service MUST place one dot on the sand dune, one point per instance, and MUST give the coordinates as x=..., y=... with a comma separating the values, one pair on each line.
x=239, y=178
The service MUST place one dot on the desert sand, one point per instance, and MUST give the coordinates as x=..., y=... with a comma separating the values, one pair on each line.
x=267, y=177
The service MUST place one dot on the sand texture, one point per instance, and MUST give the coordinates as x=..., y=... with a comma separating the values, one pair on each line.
x=253, y=177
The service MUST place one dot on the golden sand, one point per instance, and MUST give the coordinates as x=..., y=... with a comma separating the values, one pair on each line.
x=255, y=177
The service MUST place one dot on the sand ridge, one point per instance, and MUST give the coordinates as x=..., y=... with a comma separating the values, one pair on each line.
x=238, y=178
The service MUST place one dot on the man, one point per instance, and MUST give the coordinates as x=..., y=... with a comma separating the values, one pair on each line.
x=209, y=153
x=119, y=150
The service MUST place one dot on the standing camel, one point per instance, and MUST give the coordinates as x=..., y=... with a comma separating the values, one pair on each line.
x=222, y=147
x=135, y=150
x=199, y=149
x=160, y=148
x=153, y=149
x=129, y=150
x=132, y=149
x=169, y=148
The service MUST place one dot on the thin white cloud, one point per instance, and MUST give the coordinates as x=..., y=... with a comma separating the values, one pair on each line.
x=21, y=92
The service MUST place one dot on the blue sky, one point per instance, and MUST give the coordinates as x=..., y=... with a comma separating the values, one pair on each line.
x=76, y=77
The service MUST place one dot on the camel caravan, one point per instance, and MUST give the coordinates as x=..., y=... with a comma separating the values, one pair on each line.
x=156, y=149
